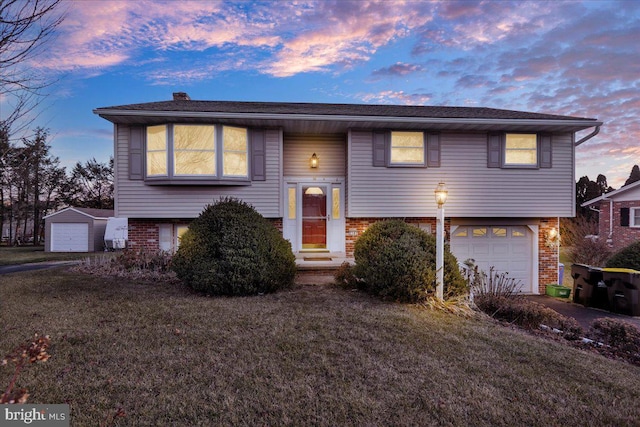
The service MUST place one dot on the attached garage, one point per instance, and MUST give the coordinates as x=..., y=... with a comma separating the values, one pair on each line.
x=76, y=230
x=508, y=248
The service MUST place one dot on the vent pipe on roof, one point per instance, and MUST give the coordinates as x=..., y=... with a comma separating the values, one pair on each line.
x=181, y=96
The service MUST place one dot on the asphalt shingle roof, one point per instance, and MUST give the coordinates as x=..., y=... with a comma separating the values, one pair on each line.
x=373, y=110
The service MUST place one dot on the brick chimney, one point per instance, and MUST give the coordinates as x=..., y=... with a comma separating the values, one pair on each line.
x=181, y=96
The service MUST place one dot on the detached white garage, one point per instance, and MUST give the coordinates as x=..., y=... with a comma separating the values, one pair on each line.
x=76, y=230
x=507, y=248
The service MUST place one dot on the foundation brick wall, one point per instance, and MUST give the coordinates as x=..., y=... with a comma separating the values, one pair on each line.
x=622, y=236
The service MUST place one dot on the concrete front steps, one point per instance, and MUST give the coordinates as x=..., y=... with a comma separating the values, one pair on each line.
x=316, y=268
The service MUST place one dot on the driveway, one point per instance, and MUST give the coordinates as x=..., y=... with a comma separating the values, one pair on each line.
x=5, y=269
x=584, y=315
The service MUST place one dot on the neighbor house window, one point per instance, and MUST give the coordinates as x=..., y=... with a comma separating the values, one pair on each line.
x=197, y=152
x=407, y=148
x=635, y=217
x=521, y=149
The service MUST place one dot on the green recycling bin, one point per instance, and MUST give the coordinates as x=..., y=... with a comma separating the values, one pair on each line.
x=623, y=287
x=588, y=287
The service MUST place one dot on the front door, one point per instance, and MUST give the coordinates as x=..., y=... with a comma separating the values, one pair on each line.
x=314, y=218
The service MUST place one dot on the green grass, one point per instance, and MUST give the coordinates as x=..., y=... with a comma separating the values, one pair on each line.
x=315, y=355
x=30, y=254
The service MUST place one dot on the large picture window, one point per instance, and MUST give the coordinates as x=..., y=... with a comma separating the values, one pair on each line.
x=183, y=152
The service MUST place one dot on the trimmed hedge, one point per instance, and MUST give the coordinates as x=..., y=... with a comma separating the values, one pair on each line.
x=230, y=249
x=627, y=257
x=397, y=260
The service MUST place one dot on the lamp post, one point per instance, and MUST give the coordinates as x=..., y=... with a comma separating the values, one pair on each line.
x=441, y=197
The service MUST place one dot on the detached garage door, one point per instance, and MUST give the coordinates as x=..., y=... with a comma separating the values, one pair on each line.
x=69, y=237
x=507, y=248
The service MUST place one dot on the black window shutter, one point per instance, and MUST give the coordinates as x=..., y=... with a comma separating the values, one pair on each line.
x=258, y=155
x=380, y=148
x=136, y=152
x=494, y=150
x=545, y=150
x=433, y=150
x=624, y=217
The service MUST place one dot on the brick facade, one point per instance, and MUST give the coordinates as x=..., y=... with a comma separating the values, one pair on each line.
x=622, y=236
x=548, y=254
x=144, y=234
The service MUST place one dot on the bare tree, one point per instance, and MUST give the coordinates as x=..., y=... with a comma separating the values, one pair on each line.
x=26, y=26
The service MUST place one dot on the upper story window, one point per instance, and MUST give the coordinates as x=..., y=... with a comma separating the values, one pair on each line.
x=407, y=148
x=521, y=149
x=182, y=152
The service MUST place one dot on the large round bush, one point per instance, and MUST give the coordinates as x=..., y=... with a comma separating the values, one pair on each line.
x=398, y=261
x=627, y=257
x=230, y=249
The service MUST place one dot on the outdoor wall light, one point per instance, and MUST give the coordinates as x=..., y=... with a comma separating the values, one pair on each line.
x=314, y=161
x=553, y=238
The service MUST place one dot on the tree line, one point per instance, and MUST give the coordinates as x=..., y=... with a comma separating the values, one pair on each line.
x=33, y=184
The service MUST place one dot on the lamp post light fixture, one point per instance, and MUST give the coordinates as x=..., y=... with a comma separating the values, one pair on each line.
x=314, y=161
x=441, y=198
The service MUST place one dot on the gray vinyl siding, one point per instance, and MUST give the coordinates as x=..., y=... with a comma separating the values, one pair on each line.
x=134, y=199
x=474, y=189
x=330, y=149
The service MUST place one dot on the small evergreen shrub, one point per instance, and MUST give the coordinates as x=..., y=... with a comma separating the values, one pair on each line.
x=628, y=257
x=230, y=249
x=397, y=260
x=344, y=276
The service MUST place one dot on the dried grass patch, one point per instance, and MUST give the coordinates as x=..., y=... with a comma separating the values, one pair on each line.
x=158, y=354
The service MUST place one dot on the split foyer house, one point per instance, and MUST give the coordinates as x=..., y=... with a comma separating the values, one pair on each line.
x=619, y=215
x=322, y=173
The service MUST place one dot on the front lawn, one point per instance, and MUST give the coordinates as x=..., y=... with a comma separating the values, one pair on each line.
x=10, y=255
x=158, y=354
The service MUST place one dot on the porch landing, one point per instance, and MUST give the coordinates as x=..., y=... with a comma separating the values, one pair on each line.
x=318, y=268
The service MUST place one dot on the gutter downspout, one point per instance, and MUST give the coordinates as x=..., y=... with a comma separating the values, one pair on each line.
x=588, y=137
x=610, y=238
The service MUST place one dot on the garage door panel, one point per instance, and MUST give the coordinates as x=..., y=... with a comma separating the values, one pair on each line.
x=506, y=248
x=69, y=237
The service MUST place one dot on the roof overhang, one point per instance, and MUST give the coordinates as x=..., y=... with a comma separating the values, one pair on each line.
x=325, y=123
x=612, y=195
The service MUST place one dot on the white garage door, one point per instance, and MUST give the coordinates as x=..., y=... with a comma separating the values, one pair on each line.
x=507, y=248
x=71, y=237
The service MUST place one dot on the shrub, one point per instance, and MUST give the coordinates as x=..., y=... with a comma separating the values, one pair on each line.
x=397, y=260
x=628, y=257
x=623, y=337
x=230, y=249
x=527, y=314
x=137, y=264
x=344, y=276
x=589, y=251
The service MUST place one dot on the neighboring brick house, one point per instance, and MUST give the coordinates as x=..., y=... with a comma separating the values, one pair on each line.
x=623, y=206
x=322, y=173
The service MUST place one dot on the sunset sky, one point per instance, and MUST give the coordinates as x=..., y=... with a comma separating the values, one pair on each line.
x=579, y=58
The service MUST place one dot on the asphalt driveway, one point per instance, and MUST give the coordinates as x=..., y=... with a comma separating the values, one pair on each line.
x=5, y=269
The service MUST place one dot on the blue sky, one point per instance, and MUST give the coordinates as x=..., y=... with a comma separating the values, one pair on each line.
x=578, y=58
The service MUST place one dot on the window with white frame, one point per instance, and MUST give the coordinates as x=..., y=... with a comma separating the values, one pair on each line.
x=634, y=216
x=407, y=148
x=183, y=151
